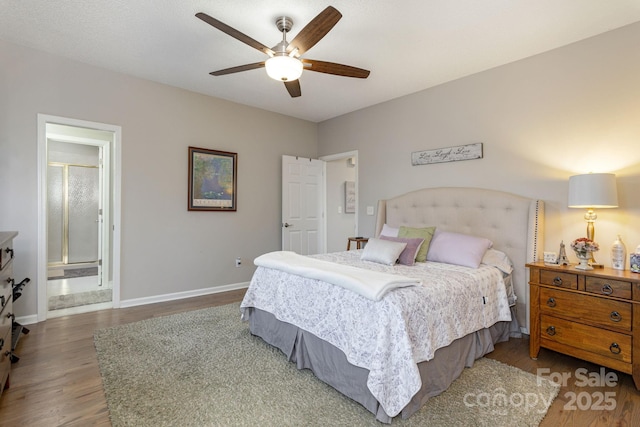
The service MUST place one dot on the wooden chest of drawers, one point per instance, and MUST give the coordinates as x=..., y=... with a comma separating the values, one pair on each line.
x=6, y=305
x=593, y=315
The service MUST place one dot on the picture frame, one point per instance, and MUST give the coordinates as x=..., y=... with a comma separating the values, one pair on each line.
x=349, y=197
x=213, y=176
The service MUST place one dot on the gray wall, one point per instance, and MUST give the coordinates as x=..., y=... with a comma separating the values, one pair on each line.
x=569, y=111
x=165, y=248
x=572, y=110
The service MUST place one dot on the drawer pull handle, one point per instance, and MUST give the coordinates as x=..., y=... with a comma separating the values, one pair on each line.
x=615, y=316
x=557, y=281
x=607, y=289
x=1, y=342
x=2, y=301
x=9, y=251
x=615, y=348
x=551, y=330
x=551, y=302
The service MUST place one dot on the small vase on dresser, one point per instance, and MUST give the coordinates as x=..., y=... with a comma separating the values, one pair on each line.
x=584, y=249
x=583, y=258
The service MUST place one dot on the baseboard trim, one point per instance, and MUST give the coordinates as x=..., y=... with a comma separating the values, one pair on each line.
x=27, y=320
x=182, y=295
x=32, y=319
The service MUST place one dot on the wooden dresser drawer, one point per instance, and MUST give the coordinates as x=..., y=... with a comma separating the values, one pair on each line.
x=603, y=286
x=561, y=280
x=609, y=344
x=6, y=254
x=6, y=321
x=604, y=312
x=6, y=305
x=5, y=359
x=6, y=289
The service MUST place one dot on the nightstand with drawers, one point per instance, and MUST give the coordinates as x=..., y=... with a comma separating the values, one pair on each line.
x=593, y=315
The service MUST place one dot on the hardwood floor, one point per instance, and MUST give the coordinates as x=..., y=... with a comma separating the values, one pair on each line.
x=57, y=381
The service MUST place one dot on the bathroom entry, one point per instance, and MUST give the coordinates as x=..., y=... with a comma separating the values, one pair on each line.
x=77, y=211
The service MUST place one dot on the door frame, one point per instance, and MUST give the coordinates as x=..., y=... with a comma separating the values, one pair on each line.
x=110, y=225
x=330, y=158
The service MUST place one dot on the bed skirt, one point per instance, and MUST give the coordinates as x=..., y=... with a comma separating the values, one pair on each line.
x=330, y=364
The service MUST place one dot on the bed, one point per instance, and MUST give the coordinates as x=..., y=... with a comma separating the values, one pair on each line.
x=394, y=350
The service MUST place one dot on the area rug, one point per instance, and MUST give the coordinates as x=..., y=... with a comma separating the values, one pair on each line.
x=68, y=273
x=58, y=302
x=204, y=368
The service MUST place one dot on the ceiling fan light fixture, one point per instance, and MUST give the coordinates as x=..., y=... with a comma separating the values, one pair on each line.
x=284, y=68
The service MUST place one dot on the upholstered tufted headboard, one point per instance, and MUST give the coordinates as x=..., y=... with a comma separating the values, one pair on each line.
x=514, y=224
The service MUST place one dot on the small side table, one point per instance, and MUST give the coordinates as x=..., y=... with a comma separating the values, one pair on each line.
x=359, y=242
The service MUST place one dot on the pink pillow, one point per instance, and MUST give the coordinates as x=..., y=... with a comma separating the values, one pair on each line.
x=459, y=249
x=408, y=255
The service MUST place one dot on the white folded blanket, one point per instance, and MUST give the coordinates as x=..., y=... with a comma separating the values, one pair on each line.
x=370, y=284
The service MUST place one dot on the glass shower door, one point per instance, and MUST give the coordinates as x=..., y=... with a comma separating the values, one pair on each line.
x=83, y=214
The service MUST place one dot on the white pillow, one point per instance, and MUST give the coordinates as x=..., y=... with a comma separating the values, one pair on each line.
x=457, y=248
x=498, y=259
x=389, y=231
x=382, y=251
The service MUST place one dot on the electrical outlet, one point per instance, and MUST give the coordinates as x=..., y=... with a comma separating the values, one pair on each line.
x=238, y=262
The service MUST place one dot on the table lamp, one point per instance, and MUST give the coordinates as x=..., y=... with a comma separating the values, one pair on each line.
x=591, y=191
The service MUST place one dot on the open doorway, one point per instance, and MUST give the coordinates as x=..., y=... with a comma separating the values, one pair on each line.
x=79, y=205
x=341, y=204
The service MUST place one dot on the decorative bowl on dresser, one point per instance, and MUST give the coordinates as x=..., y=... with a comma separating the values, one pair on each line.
x=6, y=306
x=593, y=315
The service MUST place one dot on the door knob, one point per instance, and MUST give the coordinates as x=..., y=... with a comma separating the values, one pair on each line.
x=286, y=224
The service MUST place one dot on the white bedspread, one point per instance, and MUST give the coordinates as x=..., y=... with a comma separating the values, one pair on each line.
x=370, y=284
x=391, y=336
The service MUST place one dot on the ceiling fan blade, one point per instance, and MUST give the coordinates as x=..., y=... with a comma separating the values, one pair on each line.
x=336, y=69
x=293, y=87
x=315, y=30
x=234, y=33
x=238, y=69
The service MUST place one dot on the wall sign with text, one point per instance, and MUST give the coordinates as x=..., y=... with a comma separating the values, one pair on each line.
x=449, y=154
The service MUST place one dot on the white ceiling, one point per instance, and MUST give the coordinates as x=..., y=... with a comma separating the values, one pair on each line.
x=408, y=45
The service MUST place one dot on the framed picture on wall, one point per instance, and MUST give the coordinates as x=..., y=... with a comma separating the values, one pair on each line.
x=212, y=180
x=349, y=197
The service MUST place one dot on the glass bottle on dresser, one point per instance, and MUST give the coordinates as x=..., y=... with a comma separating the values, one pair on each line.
x=618, y=254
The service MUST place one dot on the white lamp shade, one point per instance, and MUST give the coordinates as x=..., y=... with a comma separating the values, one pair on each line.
x=283, y=68
x=593, y=190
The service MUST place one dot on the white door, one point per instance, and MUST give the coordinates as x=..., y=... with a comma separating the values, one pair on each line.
x=302, y=205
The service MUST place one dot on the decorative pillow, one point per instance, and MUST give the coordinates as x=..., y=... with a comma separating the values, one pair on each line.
x=498, y=259
x=408, y=255
x=387, y=230
x=382, y=251
x=459, y=249
x=423, y=233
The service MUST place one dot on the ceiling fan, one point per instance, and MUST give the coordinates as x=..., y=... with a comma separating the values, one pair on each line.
x=284, y=62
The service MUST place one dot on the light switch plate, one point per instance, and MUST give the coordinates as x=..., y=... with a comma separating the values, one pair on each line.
x=369, y=210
